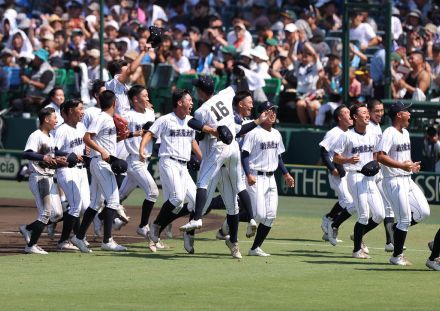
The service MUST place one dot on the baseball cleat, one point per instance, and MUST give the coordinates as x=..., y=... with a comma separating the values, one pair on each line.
x=152, y=246
x=221, y=236
x=80, y=244
x=154, y=233
x=400, y=260
x=160, y=245
x=143, y=231
x=363, y=245
x=191, y=225
x=233, y=247
x=121, y=214
x=433, y=264
x=86, y=242
x=324, y=224
x=112, y=246
x=430, y=244
x=325, y=237
x=35, y=249
x=360, y=254
x=67, y=246
x=168, y=232
x=332, y=234
x=389, y=247
x=188, y=242
x=25, y=233
x=258, y=252
x=118, y=224
x=251, y=228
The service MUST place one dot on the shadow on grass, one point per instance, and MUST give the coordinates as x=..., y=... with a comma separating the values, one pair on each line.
x=162, y=255
x=395, y=269
x=363, y=262
x=294, y=240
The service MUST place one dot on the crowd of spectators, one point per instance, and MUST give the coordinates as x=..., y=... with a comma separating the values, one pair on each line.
x=298, y=42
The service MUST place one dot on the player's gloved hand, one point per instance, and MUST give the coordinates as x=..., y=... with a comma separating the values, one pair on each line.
x=289, y=180
x=251, y=180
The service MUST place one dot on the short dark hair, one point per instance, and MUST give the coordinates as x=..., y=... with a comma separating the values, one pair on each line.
x=337, y=113
x=135, y=90
x=373, y=103
x=106, y=99
x=354, y=109
x=45, y=112
x=419, y=53
x=71, y=103
x=96, y=86
x=239, y=96
x=178, y=95
x=115, y=67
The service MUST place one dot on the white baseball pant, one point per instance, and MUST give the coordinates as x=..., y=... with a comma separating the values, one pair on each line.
x=46, y=198
x=177, y=184
x=103, y=184
x=339, y=185
x=366, y=197
x=387, y=205
x=406, y=198
x=264, y=198
x=75, y=184
x=138, y=175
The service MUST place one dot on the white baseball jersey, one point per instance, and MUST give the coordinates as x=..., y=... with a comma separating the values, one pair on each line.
x=60, y=119
x=175, y=136
x=264, y=147
x=120, y=90
x=376, y=129
x=89, y=114
x=397, y=146
x=215, y=112
x=135, y=122
x=105, y=133
x=351, y=143
x=70, y=139
x=330, y=139
x=43, y=144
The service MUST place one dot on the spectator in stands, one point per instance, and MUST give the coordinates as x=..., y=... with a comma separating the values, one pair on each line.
x=137, y=77
x=318, y=43
x=200, y=17
x=204, y=52
x=377, y=69
x=61, y=43
x=366, y=84
x=178, y=31
x=93, y=69
x=418, y=80
x=307, y=73
x=164, y=50
x=224, y=65
x=292, y=39
x=331, y=80
x=113, y=51
x=431, y=151
x=81, y=87
x=55, y=99
x=260, y=58
x=111, y=30
x=327, y=109
x=362, y=32
x=272, y=48
x=193, y=37
x=435, y=73
x=20, y=44
x=39, y=83
x=431, y=37
x=355, y=87
x=48, y=43
x=240, y=38
x=327, y=15
x=179, y=61
x=285, y=17
x=7, y=58
x=4, y=83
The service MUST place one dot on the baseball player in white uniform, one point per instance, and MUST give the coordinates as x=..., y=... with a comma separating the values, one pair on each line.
x=177, y=140
x=407, y=200
x=217, y=111
x=40, y=151
x=101, y=138
x=261, y=156
x=72, y=179
x=376, y=110
x=139, y=119
x=98, y=87
x=344, y=207
x=354, y=149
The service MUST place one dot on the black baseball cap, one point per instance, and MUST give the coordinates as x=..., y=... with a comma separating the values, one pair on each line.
x=205, y=83
x=266, y=106
x=398, y=107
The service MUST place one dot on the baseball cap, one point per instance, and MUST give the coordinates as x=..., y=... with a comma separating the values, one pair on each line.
x=321, y=3
x=113, y=24
x=415, y=13
x=398, y=107
x=266, y=106
x=47, y=36
x=180, y=27
x=289, y=14
x=42, y=54
x=93, y=6
x=205, y=83
x=272, y=41
x=93, y=53
x=396, y=57
x=54, y=18
x=229, y=49
x=431, y=28
x=291, y=27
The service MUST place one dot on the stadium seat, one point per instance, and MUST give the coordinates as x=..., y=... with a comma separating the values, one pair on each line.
x=60, y=76
x=184, y=81
x=272, y=90
x=160, y=88
x=147, y=71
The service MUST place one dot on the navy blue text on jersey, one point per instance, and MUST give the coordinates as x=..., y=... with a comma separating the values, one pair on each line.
x=111, y=131
x=76, y=142
x=181, y=133
x=403, y=147
x=268, y=145
x=362, y=149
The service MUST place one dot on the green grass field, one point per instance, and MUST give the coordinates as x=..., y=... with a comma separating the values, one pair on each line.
x=303, y=273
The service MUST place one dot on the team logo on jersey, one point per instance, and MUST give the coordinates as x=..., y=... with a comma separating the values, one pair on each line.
x=268, y=145
x=362, y=149
x=45, y=149
x=181, y=133
x=76, y=142
x=111, y=131
x=403, y=147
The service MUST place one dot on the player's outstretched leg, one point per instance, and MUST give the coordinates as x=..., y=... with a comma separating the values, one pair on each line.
x=262, y=233
x=232, y=242
x=245, y=201
x=68, y=223
x=143, y=229
x=357, y=241
x=196, y=223
x=333, y=226
x=433, y=261
x=78, y=239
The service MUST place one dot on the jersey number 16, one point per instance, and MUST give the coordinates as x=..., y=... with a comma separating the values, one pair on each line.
x=221, y=110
